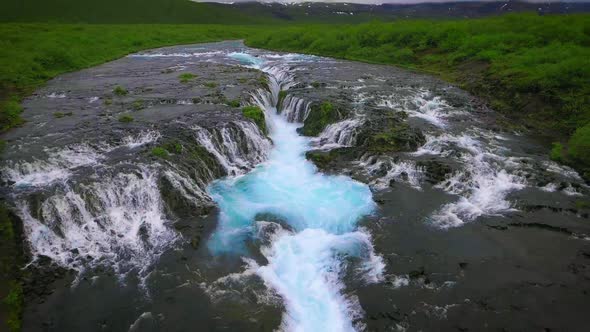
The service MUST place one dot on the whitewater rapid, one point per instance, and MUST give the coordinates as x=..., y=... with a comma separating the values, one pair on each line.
x=314, y=220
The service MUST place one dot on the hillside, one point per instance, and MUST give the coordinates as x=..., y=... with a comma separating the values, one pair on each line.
x=185, y=11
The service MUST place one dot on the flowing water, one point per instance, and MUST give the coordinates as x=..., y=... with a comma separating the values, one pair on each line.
x=464, y=225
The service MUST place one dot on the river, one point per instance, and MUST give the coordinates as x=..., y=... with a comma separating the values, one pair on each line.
x=414, y=208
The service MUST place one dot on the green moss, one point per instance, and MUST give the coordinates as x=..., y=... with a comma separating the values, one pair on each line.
x=234, y=103
x=557, y=152
x=320, y=159
x=396, y=138
x=10, y=114
x=14, y=301
x=583, y=205
x=108, y=101
x=2, y=145
x=120, y=91
x=257, y=115
x=282, y=96
x=316, y=84
x=173, y=147
x=263, y=80
x=319, y=117
x=126, y=118
x=242, y=80
x=60, y=115
x=138, y=105
x=159, y=152
x=10, y=258
x=186, y=77
x=210, y=85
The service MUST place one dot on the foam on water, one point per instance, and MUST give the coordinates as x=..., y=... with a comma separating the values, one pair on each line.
x=144, y=137
x=305, y=262
x=118, y=222
x=482, y=185
x=57, y=167
x=421, y=104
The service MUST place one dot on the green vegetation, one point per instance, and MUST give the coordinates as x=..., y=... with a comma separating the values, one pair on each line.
x=159, y=152
x=125, y=118
x=257, y=115
x=321, y=159
x=31, y=54
x=211, y=85
x=12, y=303
x=173, y=147
x=138, y=105
x=234, y=103
x=186, y=77
x=579, y=149
x=319, y=117
x=60, y=115
x=557, y=152
x=126, y=12
x=170, y=12
x=534, y=68
x=10, y=112
x=120, y=91
x=282, y=96
x=164, y=150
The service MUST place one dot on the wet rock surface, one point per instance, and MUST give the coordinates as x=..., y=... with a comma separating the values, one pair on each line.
x=478, y=229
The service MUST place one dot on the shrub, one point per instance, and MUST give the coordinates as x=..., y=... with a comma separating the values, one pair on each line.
x=186, y=77
x=137, y=105
x=120, y=91
x=126, y=118
x=60, y=115
x=159, y=152
x=234, y=103
x=173, y=147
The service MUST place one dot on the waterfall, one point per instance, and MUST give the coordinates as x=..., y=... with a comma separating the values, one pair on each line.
x=237, y=146
x=339, y=134
x=117, y=222
x=295, y=109
x=58, y=166
x=306, y=262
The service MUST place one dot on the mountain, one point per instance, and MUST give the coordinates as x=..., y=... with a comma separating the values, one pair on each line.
x=185, y=11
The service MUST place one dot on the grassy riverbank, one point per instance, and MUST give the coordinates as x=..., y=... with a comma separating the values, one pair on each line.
x=30, y=54
x=535, y=69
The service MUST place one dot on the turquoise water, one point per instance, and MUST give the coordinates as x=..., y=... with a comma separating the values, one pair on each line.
x=319, y=215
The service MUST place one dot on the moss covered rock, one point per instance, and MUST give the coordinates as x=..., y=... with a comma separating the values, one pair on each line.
x=256, y=114
x=320, y=116
x=390, y=133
